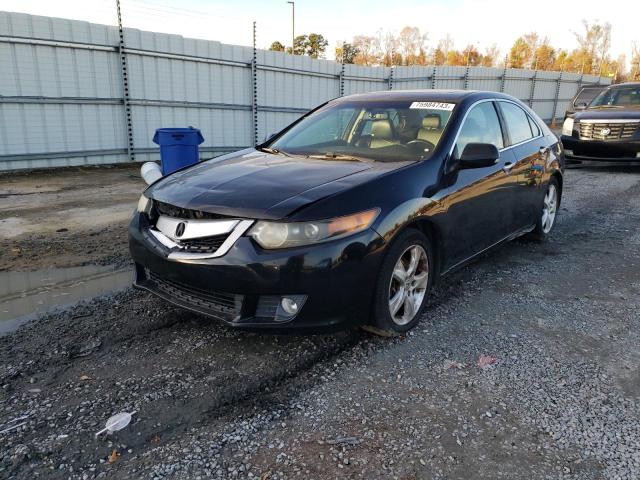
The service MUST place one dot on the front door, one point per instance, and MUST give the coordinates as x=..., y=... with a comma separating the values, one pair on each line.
x=478, y=203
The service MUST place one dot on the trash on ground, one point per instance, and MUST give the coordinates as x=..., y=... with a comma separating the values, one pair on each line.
x=12, y=427
x=114, y=456
x=453, y=364
x=116, y=422
x=486, y=360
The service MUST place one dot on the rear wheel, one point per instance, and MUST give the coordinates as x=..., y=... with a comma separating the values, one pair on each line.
x=403, y=284
x=549, y=212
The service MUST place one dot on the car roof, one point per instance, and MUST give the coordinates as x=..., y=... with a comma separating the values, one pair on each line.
x=623, y=85
x=424, y=95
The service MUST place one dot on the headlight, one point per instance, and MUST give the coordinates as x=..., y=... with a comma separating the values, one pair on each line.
x=144, y=204
x=567, y=127
x=283, y=235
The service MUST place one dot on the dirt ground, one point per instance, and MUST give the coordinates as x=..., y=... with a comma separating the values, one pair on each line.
x=526, y=364
x=67, y=217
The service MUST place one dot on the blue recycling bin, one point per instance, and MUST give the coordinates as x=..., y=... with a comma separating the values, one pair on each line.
x=178, y=147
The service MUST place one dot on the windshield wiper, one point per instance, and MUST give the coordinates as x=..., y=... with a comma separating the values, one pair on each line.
x=273, y=151
x=338, y=156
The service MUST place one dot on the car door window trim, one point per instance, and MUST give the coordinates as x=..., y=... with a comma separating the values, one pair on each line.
x=455, y=139
x=529, y=116
x=464, y=119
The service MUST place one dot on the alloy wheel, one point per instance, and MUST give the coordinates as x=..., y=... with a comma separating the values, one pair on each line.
x=549, y=208
x=408, y=284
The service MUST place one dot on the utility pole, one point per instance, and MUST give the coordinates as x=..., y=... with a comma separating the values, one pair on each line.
x=293, y=26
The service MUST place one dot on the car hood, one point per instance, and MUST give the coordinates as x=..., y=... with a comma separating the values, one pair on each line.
x=253, y=184
x=609, y=113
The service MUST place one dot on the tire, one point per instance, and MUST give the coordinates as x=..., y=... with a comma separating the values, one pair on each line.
x=390, y=286
x=547, y=219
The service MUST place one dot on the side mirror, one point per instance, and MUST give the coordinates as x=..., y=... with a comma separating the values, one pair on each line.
x=581, y=105
x=478, y=155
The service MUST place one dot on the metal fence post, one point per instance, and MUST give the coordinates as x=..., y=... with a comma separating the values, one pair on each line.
x=555, y=100
x=503, y=79
x=533, y=88
x=254, y=88
x=125, y=87
x=390, y=79
x=341, y=78
x=466, y=78
x=433, y=77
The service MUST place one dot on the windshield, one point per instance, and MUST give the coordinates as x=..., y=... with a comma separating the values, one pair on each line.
x=382, y=131
x=618, y=97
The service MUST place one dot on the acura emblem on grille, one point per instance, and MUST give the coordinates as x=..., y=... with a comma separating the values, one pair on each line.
x=180, y=229
x=605, y=131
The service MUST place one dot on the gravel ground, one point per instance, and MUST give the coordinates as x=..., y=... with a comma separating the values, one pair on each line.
x=561, y=399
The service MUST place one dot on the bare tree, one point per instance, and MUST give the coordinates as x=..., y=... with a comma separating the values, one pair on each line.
x=411, y=42
x=635, y=62
x=388, y=46
x=368, y=52
x=594, y=44
x=490, y=56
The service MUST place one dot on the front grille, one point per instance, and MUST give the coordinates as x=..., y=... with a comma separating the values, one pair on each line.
x=179, y=212
x=224, y=305
x=203, y=244
x=616, y=131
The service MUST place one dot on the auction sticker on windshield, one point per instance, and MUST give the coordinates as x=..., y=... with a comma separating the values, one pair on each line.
x=433, y=105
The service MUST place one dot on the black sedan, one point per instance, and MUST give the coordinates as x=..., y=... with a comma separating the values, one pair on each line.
x=608, y=129
x=349, y=215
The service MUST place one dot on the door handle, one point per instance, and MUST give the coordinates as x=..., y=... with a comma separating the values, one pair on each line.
x=507, y=167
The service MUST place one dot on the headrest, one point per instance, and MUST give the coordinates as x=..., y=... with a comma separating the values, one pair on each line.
x=624, y=98
x=431, y=121
x=381, y=129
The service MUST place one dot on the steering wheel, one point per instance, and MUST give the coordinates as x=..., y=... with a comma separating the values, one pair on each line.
x=419, y=144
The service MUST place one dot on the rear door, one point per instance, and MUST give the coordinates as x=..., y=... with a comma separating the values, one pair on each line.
x=478, y=201
x=529, y=147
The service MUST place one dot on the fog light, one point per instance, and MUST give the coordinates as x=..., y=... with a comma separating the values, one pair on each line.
x=638, y=155
x=289, y=305
x=568, y=152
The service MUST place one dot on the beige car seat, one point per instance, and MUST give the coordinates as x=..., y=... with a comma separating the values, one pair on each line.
x=382, y=134
x=430, y=131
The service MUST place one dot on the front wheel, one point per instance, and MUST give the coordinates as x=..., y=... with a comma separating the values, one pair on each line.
x=403, y=284
x=550, y=204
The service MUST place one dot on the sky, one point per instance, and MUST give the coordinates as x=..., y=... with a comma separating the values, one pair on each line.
x=481, y=22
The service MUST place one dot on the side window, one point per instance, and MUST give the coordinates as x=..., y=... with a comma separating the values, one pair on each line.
x=480, y=126
x=517, y=122
x=534, y=127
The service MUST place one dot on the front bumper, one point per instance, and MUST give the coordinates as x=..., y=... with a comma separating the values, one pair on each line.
x=243, y=287
x=603, y=151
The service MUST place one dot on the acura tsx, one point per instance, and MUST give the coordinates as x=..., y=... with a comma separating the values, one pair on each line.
x=351, y=213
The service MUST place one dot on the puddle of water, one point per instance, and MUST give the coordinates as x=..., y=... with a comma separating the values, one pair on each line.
x=24, y=295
